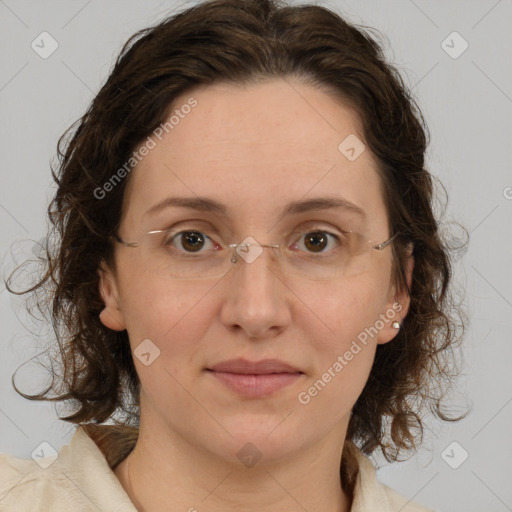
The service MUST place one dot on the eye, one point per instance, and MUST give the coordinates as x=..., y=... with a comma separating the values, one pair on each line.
x=189, y=241
x=317, y=241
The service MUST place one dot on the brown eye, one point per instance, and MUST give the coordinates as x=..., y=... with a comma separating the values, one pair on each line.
x=192, y=241
x=315, y=242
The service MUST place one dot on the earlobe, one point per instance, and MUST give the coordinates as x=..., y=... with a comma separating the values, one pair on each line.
x=398, y=307
x=111, y=316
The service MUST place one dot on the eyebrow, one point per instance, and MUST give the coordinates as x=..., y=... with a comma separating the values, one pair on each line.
x=206, y=204
x=194, y=203
x=321, y=203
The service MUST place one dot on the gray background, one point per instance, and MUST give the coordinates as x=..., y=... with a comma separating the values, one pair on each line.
x=467, y=102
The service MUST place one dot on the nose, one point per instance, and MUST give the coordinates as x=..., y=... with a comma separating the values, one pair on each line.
x=257, y=300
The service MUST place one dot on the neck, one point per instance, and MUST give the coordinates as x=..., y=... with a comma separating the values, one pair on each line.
x=307, y=481
x=131, y=488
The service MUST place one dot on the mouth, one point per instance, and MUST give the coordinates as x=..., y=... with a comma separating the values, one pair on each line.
x=264, y=367
x=255, y=379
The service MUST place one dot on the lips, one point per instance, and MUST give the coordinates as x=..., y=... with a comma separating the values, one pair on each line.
x=255, y=379
x=264, y=367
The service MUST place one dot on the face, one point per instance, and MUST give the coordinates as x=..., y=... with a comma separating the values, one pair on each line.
x=255, y=149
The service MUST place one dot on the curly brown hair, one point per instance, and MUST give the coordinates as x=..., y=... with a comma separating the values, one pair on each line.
x=241, y=42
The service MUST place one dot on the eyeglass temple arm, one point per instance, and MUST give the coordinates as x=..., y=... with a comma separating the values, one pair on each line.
x=383, y=245
x=122, y=242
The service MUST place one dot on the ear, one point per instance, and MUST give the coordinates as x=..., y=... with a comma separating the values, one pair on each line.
x=398, y=303
x=111, y=316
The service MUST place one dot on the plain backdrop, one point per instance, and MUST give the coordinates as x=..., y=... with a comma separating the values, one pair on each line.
x=466, y=97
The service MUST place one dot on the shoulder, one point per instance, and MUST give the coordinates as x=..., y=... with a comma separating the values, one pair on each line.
x=27, y=486
x=370, y=495
x=397, y=502
x=76, y=478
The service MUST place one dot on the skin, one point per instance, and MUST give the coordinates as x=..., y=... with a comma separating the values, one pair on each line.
x=254, y=148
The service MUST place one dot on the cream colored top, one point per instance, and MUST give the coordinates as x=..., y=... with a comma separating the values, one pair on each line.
x=81, y=480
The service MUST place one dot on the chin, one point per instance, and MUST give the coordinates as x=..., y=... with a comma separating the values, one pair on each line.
x=266, y=438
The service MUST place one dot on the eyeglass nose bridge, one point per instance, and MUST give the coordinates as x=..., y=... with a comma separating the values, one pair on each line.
x=250, y=258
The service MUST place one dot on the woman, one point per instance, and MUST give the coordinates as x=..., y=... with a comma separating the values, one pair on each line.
x=247, y=280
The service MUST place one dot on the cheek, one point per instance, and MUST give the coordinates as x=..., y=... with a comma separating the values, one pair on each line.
x=166, y=311
x=342, y=330
x=341, y=312
x=176, y=321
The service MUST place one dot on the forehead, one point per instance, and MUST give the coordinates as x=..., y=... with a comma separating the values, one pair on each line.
x=255, y=148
